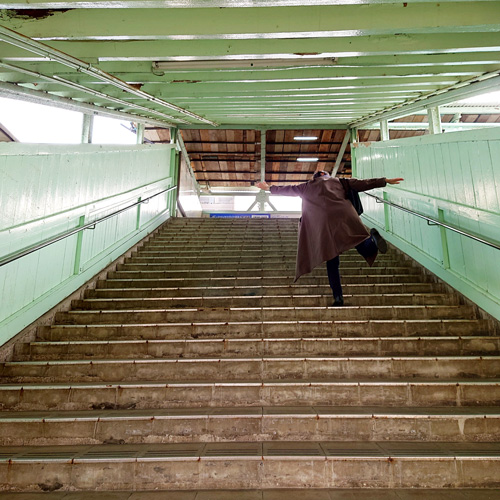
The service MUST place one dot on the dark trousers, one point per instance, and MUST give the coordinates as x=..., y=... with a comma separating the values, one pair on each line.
x=366, y=248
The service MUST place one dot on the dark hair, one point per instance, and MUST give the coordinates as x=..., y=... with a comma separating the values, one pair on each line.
x=319, y=173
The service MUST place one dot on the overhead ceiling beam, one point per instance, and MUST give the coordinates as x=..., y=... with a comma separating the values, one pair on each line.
x=302, y=21
x=486, y=83
x=359, y=46
x=425, y=125
x=19, y=40
x=172, y=4
x=445, y=59
x=94, y=93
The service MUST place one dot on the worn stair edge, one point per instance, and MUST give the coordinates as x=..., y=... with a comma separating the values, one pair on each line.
x=145, y=395
x=269, y=494
x=273, y=329
x=250, y=424
x=253, y=369
x=143, y=349
x=254, y=465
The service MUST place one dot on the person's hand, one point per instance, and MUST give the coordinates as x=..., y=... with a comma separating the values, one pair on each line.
x=397, y=180
x=263, y=185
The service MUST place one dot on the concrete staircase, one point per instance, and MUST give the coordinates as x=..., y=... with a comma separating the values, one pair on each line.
x=197, y=370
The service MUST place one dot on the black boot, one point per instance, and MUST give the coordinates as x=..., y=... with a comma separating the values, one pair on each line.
x=379, y=240
x=338, y=301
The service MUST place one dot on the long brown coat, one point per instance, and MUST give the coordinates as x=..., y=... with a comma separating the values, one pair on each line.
x=329, y=223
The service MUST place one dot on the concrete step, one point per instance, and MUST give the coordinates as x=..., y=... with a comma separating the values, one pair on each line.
x=350, y=313
x=224, y=270
x=270, y=243
x=276, y=329
x=253, y=369
x=118, y=280
x=168, y=394
x=242, y=257
x=269, y=494
x=218, y=425
x=276, y=268
x=115, y=303
x=247, y=465
x=223, y=347
x=246, y=291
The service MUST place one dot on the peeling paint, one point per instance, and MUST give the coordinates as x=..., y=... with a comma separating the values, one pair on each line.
x=31, y=14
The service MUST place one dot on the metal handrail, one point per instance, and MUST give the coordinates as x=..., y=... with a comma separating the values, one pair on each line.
x=71, y=232
x=434, y=222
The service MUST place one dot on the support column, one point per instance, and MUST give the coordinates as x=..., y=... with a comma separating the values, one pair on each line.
x=140, y=133
x=434, y=120
x=341, y=152
x=384, y=130
x=261, y=199
x=87, y=129
x=354, y=141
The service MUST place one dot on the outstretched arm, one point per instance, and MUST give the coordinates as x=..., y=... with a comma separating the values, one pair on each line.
x=296, y=190
x=366, y=184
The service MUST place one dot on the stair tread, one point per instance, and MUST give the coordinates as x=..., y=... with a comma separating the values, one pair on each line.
x=207, y=451
x=263, y=339
x=272, y=494
x=257, y=383
x=235, y=359
x=254, y=412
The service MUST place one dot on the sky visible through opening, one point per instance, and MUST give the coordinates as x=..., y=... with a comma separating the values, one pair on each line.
x=37, y=123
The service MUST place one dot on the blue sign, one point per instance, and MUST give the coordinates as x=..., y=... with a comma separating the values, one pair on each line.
x=239, y=216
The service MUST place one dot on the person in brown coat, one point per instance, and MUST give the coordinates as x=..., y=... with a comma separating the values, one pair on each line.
x=330, y=225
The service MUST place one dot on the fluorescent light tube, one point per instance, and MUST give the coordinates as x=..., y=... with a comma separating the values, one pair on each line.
x=305, y=138
x=307, y=159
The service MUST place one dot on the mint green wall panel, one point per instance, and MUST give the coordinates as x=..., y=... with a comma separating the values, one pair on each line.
x=46, y=190
x=453, y=177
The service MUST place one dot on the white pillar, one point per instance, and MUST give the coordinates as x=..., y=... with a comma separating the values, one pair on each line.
x=434, y=120
x=87, y=128
x=384, y=130
x=140, y=133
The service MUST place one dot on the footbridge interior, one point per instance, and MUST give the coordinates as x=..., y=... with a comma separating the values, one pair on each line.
x=222, y=94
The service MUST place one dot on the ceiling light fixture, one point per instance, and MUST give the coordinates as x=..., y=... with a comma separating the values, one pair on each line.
x=305, y=138
x=308, y=159
x=243, y=63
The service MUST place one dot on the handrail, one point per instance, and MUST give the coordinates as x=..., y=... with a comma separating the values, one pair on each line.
x=62, y=236
x=434, y=222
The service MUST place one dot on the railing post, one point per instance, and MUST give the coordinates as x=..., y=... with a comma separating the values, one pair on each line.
x=79, y=244
x=444, y=240
x=138, y=220
x=387, y=220
x=174, y=168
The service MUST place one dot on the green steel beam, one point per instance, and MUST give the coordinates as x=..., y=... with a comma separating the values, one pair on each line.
x=490, y=83
x=438, y=61
x=306, y=21
x=172, y=4
x=26, y=43
x=157, y=50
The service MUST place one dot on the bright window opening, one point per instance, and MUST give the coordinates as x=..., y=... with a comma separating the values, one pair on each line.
x=37, y=123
